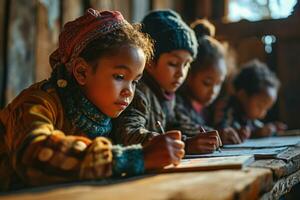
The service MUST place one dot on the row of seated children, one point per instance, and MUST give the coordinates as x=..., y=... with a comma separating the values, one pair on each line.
x=236, y=116
x=61, y=129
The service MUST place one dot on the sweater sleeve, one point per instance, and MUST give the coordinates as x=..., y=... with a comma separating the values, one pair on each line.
x=41, y=154
x=131, y=126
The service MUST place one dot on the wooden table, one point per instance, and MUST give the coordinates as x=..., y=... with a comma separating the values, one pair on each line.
x=264, y=179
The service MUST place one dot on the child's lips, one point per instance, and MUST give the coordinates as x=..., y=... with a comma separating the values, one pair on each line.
x=176, y=83
x=122, y=104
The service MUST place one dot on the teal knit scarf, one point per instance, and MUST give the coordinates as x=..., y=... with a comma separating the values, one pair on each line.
x=82, y=113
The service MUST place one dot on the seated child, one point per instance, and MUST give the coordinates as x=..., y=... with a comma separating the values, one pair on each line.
x=174, y=50
x=256, y=89
x=58, y=130
x=205, y=79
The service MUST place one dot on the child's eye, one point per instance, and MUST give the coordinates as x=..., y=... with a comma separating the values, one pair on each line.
x=207, y=82
x=135, y=82
x=118, y=77
x=172, y=64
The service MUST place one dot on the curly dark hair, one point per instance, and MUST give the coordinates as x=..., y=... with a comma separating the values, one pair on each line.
x=210, y=50
x=254, y=77
x=109, y=43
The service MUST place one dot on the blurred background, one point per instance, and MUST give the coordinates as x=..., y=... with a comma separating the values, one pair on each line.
x=265, y=29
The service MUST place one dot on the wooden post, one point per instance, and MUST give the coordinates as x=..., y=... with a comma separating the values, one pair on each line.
x=21, y=46
x=162, y=4
x=124, y=6
x=71, y=9
x=48, y=13
x=2, y=46
x=139, y=9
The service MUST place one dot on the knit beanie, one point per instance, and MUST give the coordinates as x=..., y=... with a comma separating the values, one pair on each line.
x=169, y=32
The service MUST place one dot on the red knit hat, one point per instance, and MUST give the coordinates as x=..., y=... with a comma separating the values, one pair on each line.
x=77, y=34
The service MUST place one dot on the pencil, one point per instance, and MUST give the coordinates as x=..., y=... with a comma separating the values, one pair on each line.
x=160, y=126
x=220, y=141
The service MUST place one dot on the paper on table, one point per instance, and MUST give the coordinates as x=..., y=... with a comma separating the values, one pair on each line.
x=295, y=132
x=204, y=164
x=269, y=142
x=257, y=153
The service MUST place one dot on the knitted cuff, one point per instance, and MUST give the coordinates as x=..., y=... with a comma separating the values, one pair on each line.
x=128, y=160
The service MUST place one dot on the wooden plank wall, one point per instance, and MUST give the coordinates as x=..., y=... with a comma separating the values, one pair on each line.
x=33, y=29
x=21, y=46
x=242, y=35
x=2, y=70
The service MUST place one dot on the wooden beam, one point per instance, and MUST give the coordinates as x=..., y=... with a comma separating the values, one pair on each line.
x=244, y=29
x=21, y=47
x=48, y=23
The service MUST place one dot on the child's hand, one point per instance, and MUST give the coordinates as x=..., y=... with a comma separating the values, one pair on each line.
x=244, y=133
x=230, y=136
x=163, y=150
x=270, y=128
x=280, y=126
x=202, y=143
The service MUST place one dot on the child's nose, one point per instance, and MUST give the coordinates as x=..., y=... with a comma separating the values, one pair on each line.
x=262, y=114
x=127, y=92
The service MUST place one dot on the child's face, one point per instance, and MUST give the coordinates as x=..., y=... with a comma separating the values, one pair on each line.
x=206, y=84
x=112, y=85
x=256, y=106
x=171, y=69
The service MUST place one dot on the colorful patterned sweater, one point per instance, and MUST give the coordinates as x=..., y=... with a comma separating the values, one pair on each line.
x=39, y=145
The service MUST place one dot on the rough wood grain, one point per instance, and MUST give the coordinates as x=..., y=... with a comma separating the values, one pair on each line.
x=217, y=185
x=287, y=163
x=282, y=186
x=291, y=154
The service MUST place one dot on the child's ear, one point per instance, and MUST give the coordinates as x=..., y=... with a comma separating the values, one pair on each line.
x=241, y=95
x=80, y=70
x=150, y=66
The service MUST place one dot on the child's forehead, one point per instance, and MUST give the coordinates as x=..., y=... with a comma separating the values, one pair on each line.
x=178, y=54
x=267, y=93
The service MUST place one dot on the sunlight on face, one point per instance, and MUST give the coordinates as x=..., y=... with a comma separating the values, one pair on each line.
x=206, y=84
x=111, y=87
x=171, y=69
x=257, y=106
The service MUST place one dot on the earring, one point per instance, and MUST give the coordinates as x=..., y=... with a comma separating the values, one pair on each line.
x=62, y=83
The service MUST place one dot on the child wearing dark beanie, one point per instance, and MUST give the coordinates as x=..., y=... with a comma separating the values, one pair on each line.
x=169, y=32
x=175, y=47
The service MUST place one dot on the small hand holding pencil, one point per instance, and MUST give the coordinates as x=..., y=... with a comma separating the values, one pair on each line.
x=165, y=149
x=204, y=142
